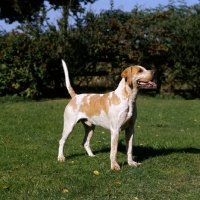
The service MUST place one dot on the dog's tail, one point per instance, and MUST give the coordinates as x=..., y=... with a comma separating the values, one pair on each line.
x=68, y=85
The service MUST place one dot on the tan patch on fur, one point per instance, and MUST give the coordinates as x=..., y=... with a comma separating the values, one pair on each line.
x=84, y=100
x=73, y=104
x=129, y=72
x=125, y=93
x=115, y=100
x=71, y=91
x=93, y=105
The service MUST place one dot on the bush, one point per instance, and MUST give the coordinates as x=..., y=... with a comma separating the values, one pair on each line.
x=25, y=68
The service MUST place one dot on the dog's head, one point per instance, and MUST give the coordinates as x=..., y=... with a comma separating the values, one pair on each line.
x=138, y=76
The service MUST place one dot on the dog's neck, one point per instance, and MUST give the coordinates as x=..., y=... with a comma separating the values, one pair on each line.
x=126, y=91
x=134, y=93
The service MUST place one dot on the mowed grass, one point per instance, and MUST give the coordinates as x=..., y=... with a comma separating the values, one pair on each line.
x=167, y=144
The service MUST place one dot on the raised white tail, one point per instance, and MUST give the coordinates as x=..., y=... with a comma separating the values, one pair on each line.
x=68, y=85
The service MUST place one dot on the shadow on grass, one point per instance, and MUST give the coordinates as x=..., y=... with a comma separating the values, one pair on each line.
x=142, y=153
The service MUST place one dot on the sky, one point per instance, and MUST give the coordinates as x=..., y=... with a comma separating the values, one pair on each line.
x=125, y=5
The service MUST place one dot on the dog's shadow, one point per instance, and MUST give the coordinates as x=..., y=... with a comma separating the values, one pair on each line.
x=142, y=153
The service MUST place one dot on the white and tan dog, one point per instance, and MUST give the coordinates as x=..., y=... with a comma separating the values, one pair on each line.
x=115, y=111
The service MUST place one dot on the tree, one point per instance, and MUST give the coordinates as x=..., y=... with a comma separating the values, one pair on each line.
x=23, y=10
x=185, y=73
x=20, y=10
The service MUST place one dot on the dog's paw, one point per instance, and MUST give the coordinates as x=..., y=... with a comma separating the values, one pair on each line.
x=115, y=167
x=92, y=155
x=61, y=159
x=133, y=163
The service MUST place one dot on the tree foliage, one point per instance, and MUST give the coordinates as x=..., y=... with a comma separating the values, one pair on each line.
x=23, y=10
x=24, y=64
x=166, y=38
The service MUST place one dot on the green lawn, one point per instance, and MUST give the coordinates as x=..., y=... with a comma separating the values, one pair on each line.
x=167, y=143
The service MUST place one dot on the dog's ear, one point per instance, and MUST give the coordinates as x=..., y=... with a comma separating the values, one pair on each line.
x=127, y=75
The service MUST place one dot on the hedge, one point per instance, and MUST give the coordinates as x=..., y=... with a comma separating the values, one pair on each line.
x=166, y=39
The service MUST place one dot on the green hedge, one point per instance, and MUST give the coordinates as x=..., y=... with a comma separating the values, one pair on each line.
x=166, y=39
x=26, y=66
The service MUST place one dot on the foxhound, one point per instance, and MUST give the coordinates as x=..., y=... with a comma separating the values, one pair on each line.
x=115, y=111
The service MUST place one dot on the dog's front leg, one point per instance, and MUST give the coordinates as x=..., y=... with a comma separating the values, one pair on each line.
x=113, y=152
x=129, y=132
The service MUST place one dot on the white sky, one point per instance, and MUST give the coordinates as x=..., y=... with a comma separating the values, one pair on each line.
x=125, y=5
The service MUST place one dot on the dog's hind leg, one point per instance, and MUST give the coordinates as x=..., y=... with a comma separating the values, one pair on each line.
x=89, y=130
x=68, y=127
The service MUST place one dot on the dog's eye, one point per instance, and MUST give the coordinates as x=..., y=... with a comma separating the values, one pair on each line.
x=140, y=71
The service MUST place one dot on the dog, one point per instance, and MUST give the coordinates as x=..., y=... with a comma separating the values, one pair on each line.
x=115, y=111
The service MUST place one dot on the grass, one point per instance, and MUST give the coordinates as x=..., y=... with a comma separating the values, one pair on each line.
x=167, y=143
